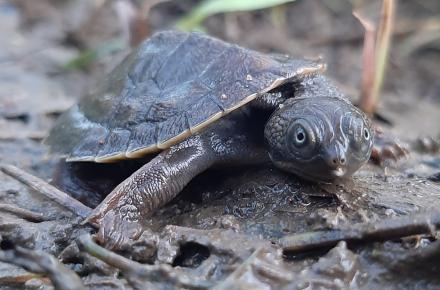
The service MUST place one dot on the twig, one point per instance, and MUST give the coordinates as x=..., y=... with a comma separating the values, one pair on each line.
x=381, y=231
x=375, y=55
x=23, y=213
x=383, y=43
x=47, y=190
x=43, y=263
x=234, y=276
x=138, y=274
x=255, y=264
x=368, y=64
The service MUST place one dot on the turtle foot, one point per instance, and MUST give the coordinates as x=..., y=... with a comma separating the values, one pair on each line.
x=387, y=148
x=116, y=231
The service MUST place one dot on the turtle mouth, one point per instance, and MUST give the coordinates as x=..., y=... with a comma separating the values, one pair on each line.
x=331, y=176
x=339, y=172
x=324, y=175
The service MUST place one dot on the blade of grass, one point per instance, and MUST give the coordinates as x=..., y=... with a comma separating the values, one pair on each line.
x=88, y=56
x=211, y=7
x=382, y=46
x=425, y=35
x=278, y=16
x=375, y=55
x=368, y=64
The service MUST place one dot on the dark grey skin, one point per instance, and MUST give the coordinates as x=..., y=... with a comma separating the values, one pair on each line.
x=316, y=134
x=191, y=102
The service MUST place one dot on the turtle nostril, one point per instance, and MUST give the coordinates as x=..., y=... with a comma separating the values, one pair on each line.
x=338, y=161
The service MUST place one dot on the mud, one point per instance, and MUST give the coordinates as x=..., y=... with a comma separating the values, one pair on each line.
x=223, y=231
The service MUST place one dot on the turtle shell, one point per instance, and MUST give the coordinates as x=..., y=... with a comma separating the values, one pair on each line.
x=172, y=86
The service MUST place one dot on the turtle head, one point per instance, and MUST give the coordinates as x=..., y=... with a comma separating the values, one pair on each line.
x=319, y=138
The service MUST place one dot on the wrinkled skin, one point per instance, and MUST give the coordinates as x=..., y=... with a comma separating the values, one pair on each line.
x=202, y=102
x=310, y=130
x=321, y=139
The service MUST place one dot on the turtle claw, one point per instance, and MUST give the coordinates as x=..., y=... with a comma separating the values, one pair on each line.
x=116, y=231
x=387, y=148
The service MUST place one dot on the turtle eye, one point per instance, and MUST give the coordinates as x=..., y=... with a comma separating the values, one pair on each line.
x=366, y=134
x=300, y=136
x=356, y=129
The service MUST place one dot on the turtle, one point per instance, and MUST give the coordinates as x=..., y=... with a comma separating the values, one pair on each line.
x=191, y=102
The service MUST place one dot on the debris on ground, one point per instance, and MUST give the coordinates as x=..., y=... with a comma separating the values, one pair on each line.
x=242, y=228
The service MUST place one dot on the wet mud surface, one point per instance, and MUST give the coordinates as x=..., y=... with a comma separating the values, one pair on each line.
x=224, y=229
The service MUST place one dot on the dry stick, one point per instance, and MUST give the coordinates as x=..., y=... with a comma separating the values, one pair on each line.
x=251, y=264
x=381, y=231
x=234, y=276
x=135, y=272
x=375, y=55
x=45, y=264
x=367, y=102
x=47, y=190
x=23, y=213
x=382, y=46
x=404, y=27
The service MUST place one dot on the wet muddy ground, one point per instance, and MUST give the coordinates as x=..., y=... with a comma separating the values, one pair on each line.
x=224, y=230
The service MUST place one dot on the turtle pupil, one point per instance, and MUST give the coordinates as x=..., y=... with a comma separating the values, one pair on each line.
x=366, y=134
x=300, y=136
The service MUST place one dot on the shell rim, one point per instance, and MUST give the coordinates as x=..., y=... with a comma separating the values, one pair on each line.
x=139, y=153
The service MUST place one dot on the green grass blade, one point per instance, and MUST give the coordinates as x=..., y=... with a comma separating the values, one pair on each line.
x=211, y=7
x=88, y=56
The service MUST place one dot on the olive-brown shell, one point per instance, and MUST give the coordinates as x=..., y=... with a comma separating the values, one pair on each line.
x=172, y=86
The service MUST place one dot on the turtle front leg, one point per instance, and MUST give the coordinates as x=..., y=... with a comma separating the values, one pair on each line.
x=119, y=216
x=387, y=148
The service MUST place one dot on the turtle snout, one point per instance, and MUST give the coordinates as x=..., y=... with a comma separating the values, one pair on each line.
x=336, y=159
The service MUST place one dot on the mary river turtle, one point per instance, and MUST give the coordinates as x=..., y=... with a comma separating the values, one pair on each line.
x=196, y=102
